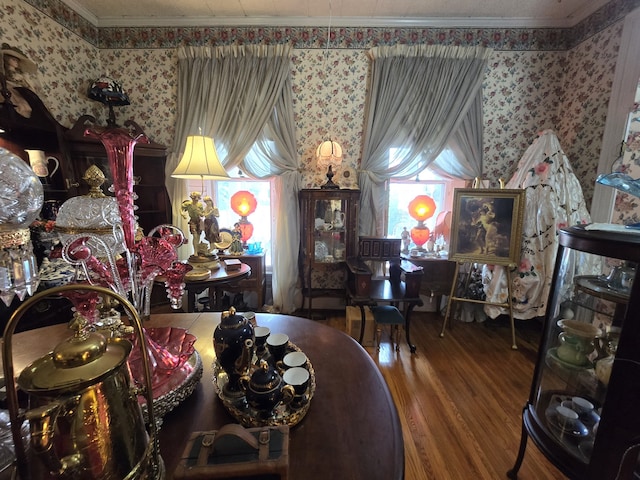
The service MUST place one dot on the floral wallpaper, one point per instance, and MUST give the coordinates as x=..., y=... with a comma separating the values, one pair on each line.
x=536, y=79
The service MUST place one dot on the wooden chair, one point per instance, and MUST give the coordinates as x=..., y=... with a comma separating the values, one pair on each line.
x=379, y=276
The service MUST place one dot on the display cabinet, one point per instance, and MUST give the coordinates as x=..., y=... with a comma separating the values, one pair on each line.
x=38, y=132
x=583, y=409
x=329, y=235
x=149, y=159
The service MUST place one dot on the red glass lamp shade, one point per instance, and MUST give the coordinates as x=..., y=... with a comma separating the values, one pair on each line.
x=421, y=208
x=244, y=203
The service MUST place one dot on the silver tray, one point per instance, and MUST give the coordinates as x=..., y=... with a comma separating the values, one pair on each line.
x=290, y=415
x=181, y=384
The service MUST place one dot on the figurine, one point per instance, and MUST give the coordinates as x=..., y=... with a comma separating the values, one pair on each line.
x=236, y=247
x=406, y=240
x=194, y=210
x=211, y=227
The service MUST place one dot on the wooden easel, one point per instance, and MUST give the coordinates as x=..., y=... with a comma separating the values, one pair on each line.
x=472, y=267
x=454, y=298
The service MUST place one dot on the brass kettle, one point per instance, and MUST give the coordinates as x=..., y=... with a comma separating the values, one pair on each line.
x=84, y=415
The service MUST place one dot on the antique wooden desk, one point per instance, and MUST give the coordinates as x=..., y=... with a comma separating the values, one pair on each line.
x=352, y=429
x=379, y=275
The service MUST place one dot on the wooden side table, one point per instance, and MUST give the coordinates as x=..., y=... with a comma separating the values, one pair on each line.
x=256, y=282
x=437, y=275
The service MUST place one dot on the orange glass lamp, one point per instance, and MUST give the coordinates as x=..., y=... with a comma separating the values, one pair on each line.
x=244, y=203
x=421, y=208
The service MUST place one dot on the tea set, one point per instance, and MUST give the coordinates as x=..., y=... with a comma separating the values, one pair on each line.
x=261, y=377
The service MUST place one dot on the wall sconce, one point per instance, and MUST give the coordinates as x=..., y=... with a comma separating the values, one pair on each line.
x=200, y=160
x=421, y=208
x=244, y=203
x=329, y=154
x=108, y=92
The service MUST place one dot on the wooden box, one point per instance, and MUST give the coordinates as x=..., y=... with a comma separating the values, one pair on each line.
x=353, y=325
x=236, y=452
x=232, y=264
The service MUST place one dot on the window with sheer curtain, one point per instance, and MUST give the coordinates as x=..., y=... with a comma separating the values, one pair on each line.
x=422, y=99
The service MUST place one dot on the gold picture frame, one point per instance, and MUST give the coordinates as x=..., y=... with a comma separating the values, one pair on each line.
x=486, y=226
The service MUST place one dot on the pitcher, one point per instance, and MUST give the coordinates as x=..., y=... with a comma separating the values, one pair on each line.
x=40, y=163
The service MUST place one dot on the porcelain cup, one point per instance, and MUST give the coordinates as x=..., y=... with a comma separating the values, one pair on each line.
x=277, y=345
x=40, y=163
x=298, y=378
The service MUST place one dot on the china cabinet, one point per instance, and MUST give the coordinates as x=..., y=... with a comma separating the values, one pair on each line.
x=154, y=206
x=582, y=412
x=40, y=131
x=329, y=235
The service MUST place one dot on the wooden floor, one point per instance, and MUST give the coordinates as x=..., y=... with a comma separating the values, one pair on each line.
x=460, y=398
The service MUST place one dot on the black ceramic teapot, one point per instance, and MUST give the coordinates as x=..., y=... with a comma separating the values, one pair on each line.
x=265, y=389
x=233, y=342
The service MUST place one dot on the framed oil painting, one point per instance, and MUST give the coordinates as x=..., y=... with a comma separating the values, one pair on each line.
x=486, y=226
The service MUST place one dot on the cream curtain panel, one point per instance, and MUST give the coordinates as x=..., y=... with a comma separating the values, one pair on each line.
x=419, y=97
x=241, y=97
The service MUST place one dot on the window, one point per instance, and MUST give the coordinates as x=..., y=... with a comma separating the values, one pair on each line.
x=221, y=192
x=401, y=192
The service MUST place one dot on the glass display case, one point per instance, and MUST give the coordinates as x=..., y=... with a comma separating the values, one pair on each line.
x=583, y=409
x=329, y=223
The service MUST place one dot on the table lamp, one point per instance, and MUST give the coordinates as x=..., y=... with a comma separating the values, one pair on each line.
x=329, y=154
x=421, y=208
x=244, y=203
x=200, y=160
x=108, y=92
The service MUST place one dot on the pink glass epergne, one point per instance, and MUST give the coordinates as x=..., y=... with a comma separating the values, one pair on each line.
x=130, y=270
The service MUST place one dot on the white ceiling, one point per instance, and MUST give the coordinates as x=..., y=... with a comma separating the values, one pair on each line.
x=352, y=13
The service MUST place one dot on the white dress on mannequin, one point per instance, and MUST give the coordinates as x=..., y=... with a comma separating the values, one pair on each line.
x=554, y=200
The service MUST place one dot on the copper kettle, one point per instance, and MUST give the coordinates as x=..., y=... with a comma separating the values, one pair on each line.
x=84, y=415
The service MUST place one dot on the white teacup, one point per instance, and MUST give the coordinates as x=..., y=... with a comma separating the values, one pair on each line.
x=251, y=317
x=294, y=359
x=298, y=378
x=581, y=405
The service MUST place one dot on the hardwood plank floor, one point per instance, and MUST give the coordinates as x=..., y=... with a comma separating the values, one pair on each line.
x=460, y=398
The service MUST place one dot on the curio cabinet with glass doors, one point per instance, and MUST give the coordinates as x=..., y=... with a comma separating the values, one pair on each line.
x=329, y=233
x=583, y=411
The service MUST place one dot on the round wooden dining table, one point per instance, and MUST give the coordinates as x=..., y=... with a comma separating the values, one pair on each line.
x=351, y=430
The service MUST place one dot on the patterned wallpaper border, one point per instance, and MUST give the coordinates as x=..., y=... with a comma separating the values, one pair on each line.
x=547, y=39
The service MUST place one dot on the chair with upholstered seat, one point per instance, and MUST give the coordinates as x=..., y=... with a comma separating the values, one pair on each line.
x=378, y=277
x=391, y=316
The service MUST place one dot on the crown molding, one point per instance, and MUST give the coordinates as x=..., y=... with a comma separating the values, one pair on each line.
x=323, y=22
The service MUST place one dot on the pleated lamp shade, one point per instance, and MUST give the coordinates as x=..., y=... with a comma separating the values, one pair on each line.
x=200, y=160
